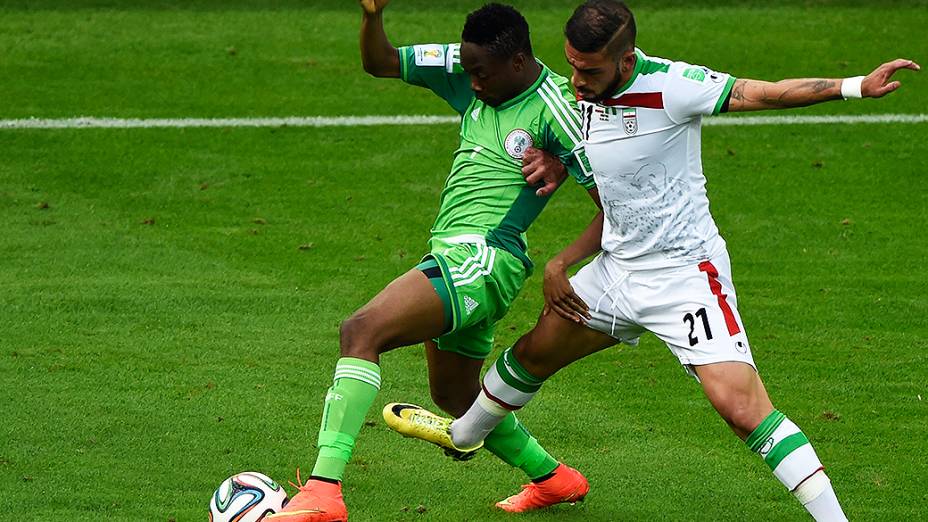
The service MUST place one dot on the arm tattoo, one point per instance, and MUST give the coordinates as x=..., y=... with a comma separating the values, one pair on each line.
x=821, y=85
x=788, y=93
x=805, y=92
x=738, y=92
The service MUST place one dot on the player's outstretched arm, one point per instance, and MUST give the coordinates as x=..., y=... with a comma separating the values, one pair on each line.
x=378, y=55
x=559, y=295
x=757, y=95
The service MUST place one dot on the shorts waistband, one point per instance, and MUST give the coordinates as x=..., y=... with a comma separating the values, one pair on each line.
x=464, y=239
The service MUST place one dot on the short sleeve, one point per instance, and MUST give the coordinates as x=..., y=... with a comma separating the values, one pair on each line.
x=693, y=90
x=437, y=67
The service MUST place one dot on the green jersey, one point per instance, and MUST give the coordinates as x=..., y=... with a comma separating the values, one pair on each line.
x=485, y=193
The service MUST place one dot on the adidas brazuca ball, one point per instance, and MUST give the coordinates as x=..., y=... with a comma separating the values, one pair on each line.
x=246, y=497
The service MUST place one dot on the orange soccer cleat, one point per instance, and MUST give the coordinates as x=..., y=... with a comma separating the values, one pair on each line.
x=317, y=501
x=565, y=485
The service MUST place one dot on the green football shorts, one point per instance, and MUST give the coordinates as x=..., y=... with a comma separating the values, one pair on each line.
x=477, y=284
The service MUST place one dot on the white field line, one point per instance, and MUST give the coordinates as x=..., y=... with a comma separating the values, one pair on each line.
x=356, y=121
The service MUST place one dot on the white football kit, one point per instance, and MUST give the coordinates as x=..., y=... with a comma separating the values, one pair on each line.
x=664, y=267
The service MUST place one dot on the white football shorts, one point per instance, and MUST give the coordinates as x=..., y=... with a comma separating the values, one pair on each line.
x=693, y=309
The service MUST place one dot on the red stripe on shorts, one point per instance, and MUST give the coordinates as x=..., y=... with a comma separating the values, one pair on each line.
x=716, y=287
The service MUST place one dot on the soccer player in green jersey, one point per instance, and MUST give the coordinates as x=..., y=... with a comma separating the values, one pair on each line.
x=510, y=105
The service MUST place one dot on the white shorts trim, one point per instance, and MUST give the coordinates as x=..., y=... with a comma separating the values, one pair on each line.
x=465, y=239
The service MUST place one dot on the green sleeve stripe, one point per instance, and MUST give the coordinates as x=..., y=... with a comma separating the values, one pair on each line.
x=520, y=370
x=511, y=380
x=724, y=96
x=559, y=93
x=764, y=430
x=565, y=130
x=572, y=116
x=784, y=448
x=404, y=73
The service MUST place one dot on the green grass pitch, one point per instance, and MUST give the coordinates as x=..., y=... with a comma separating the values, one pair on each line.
x=169, y=298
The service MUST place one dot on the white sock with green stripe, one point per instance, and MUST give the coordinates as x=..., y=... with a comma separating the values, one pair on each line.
x=789, y=454
x=507, y=386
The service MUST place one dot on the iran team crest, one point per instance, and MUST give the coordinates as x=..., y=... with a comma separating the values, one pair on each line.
x=630, y=120
x=517, y=142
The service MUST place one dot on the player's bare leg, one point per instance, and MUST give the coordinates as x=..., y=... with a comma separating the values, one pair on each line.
x=513, y=379
x=556, y=342
x=455, y=384
x=408, y=311
x=454, y=381
x=738, y=394
x=517, y=375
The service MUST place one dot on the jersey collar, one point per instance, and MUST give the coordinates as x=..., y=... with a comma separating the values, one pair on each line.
x=639, y=64
x=527, y=92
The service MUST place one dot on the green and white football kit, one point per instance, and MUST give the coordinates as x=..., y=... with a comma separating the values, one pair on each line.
x=478, y=238
x=477, y=259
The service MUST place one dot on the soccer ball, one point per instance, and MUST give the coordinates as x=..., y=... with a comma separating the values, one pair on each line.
x=246, y=497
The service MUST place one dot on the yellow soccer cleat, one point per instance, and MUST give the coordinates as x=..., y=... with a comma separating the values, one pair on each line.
x=410, y=420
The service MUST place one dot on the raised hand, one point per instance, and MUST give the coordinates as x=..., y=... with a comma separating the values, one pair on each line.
x=877, y=84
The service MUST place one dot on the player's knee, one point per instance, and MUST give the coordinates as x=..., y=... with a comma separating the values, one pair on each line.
x=535, y=362
x=742, y=413
x=353, y=338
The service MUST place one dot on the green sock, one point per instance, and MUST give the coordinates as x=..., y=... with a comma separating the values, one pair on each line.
x=356, y=384
x=511, y=442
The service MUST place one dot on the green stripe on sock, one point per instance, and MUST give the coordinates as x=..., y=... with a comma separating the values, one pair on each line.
x=346, y=404
x=511, y=380
x=520, y=370
x=360, y=363
x=764, y=430
x=784, y=448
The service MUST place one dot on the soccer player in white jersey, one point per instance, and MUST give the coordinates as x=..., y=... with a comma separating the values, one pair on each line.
x=662, y=265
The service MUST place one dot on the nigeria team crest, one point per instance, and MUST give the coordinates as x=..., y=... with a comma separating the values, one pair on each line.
x=517, y=142
x=630, y=120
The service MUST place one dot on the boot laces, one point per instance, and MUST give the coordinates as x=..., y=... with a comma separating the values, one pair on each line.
x=300, y=485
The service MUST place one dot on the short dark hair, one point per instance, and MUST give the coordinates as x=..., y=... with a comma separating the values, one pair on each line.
x=598, y=23
x=500, y=29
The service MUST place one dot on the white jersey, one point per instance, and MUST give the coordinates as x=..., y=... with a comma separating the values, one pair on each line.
x=644, y=147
